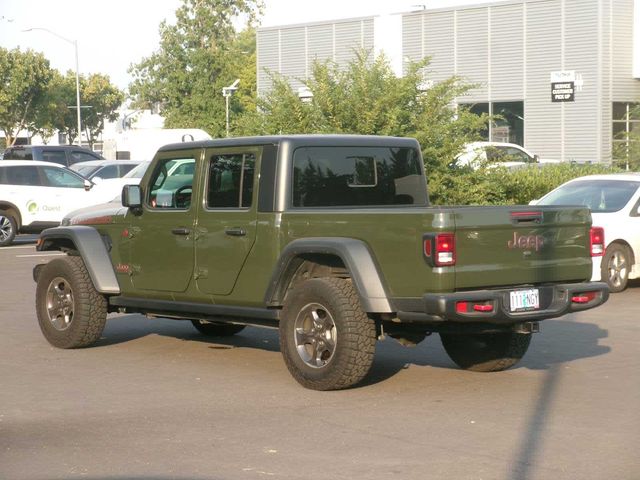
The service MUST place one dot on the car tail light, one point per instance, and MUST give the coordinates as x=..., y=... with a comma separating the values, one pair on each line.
x=596, y=241
x=445, y=249
x=440, y=249
x=584, y=297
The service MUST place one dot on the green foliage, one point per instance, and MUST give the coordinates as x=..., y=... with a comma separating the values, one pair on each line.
x=366, y=98
x=500, y=186
x=98, y=96
x=197, y=57
x=24, y=78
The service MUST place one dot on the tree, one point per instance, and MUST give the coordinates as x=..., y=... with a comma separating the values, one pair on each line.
x=198, y=56
x=626, y=145
x=99, y=100
x=366, y=97
x=24, y=79
x=103, y=99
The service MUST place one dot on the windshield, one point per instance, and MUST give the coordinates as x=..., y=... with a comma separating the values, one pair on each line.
x=138, y=172
x=86, y=170
x=599, y=195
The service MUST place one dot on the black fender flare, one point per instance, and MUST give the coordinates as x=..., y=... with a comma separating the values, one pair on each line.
x=89, y=244
x=357, y=258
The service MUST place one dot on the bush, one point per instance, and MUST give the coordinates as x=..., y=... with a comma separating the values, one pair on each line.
x=499, y=186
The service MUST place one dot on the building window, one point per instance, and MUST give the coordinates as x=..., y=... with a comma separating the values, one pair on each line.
x=625, y=131
x=508, y=126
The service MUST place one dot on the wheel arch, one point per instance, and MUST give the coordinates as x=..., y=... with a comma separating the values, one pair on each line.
x=90, y=247
x=11, y=208
x=623, y=243
x=329, y=256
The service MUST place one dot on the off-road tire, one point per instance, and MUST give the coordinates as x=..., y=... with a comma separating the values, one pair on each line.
x=486, y=352
x=8, y=228
x=64, y=283
x=350, y=335
x=212, y=329
x=615, y=267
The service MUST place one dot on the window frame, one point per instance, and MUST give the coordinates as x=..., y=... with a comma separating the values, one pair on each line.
x=209, y=154
x=291, y=207
x=174, y=155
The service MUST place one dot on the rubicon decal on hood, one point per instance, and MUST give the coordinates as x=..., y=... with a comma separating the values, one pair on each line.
x=526, y=242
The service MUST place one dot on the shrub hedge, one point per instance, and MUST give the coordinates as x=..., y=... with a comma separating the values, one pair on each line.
x=499, y=186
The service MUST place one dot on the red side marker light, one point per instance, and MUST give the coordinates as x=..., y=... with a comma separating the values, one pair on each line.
x=584, y=297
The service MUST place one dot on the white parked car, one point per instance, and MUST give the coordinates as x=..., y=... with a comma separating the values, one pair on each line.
x=492, y=154
x=98, y=170
x=36, y=195
x=614, y=201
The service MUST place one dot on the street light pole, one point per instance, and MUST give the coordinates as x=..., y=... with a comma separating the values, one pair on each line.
x=226, y=93
x=75, y=45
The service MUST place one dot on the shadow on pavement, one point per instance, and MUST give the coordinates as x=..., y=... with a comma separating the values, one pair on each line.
x=559, y=341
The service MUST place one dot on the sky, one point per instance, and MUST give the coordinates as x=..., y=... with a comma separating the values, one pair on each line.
x=113, y=34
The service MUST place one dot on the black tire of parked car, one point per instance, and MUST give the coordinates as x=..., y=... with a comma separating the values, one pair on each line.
x=71, y=313
x=8, y=228
x=213, y=329
x=615, y=267
x=326, y=339
x=486, y=352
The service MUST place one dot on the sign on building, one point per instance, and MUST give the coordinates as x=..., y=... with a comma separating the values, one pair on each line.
x=563, y=86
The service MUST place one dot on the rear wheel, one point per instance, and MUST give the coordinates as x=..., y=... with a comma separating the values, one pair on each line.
x=71, y=313
x=8, y=228
x=326, y=339
x=486, y=352
x=615, y=267
x=213, y=329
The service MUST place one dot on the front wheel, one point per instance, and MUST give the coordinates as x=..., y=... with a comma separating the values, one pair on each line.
x=326, y=339
x=71, y=313
x=8, y=228
x=615, y=267
x=486, y=352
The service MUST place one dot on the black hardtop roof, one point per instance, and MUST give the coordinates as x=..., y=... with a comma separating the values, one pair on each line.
x=298, y=141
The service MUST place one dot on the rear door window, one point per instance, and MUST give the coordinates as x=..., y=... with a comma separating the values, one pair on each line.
x=23, y=175
x=54, y=156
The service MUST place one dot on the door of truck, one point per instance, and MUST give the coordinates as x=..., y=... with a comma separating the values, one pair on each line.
x=162, y=236
x=227, y=217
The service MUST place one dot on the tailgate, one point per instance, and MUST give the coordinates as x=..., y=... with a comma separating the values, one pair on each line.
x=515, y=245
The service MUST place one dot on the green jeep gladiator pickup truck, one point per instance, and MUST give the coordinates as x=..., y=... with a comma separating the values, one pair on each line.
x=329, y=238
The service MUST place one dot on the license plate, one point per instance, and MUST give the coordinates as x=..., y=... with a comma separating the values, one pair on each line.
x=524, y=300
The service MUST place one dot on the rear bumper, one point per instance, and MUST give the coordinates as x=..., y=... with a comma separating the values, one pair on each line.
x=555, y=301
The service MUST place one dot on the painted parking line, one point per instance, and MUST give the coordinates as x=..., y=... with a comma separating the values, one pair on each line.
x=53, y=254
x=33, y=245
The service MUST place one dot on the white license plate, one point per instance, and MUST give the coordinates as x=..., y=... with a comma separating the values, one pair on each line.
x=524, y=300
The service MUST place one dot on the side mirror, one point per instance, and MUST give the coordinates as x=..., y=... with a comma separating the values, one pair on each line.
x=131, y=196
x=536, y=159
x=88, y=185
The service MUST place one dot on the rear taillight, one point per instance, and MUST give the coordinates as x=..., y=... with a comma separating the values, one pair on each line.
x=440, y=249
x=596, y=241
x=445, y=249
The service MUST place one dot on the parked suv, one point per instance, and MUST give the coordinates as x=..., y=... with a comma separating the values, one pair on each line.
x=65, y=155
x=36, y=195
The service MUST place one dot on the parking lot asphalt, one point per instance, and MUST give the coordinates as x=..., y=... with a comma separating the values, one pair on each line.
x=156, y=400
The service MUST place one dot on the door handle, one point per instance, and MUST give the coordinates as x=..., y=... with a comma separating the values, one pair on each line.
x=181, y=231
x=236, y=232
